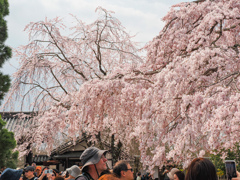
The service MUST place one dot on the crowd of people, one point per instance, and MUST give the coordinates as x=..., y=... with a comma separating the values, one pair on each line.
x=95, y=168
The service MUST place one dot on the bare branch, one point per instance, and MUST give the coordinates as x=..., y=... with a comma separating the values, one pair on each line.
x=58, y=81
x=37, y=85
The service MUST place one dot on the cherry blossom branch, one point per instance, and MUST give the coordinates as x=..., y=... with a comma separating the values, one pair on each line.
x=144, y=79
x=222, y=79
x=166, y=27
x=58, y=81
x=49, y=32
x=174, y=125
x=220, y=34
x=38, y=85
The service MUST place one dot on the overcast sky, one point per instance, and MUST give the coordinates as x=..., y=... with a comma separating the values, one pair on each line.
x=141, y=17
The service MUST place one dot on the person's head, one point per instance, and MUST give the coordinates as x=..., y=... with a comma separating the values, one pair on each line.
x=123, y=170
x=29, y=172
x=179, y=175
x=11, y=174
x=34, y=165
x=38, y=170
x=139, y=173
x=201, y=168
x=53, y=175
x=56, y=172
x=94, y=158
x=3, y=168
x=73, y=171
x=171, y=173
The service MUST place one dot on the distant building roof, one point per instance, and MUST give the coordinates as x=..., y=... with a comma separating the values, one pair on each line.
x=40, y=158
x=14, y=119
x=66, y=146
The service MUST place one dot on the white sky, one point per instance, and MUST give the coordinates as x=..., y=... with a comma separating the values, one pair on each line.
x=141, y=17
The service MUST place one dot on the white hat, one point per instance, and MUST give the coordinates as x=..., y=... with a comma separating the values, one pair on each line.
x=172, y=172
x=74, y=171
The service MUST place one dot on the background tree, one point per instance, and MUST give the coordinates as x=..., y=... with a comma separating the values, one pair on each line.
x=230, y=155
x=8, y=158
x=54, y=66
x=5, y=51
x=183, y=101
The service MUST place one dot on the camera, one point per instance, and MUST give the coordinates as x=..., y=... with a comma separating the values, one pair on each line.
x=48, y=171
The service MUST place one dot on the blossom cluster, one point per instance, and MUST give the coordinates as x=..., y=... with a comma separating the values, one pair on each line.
x=180, y=103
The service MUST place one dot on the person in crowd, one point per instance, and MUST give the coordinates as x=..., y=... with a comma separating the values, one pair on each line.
x=3, y=168
x=47, y=175
x=56, y=172
x=65, y=174
x=238, y=176
x=11, y=174
x=59, y=178
x=21, y=178
x=94, y=163
x=201, y=168
x=179, y=175
x=38, y=171
x=108, y=171
x=29, y=173
x=34, y=165
x=74, y=171
x=110, y=176
x=165, y=174
x=107, y=175
x=171, y=173
x=123, y=170
x=52, y=176
x=150, y=177
x=139, y=176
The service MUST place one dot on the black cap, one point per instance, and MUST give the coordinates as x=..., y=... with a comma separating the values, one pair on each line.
x=29, y=168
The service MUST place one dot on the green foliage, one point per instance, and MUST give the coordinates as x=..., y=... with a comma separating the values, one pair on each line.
x=4, y=7
x=4, y=85
x=7, y=144
x=5, y=51
x=231, y=155
x=220, y=172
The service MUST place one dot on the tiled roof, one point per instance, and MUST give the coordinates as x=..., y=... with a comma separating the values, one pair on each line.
x=40, y=158
x=65, y=147
x=13, y=120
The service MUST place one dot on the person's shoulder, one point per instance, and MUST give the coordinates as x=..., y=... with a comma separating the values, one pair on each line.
x=81, y=177
x=34, y=178
x=108, y=177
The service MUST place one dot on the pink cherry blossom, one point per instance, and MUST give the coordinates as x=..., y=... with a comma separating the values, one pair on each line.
x=179, y=102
